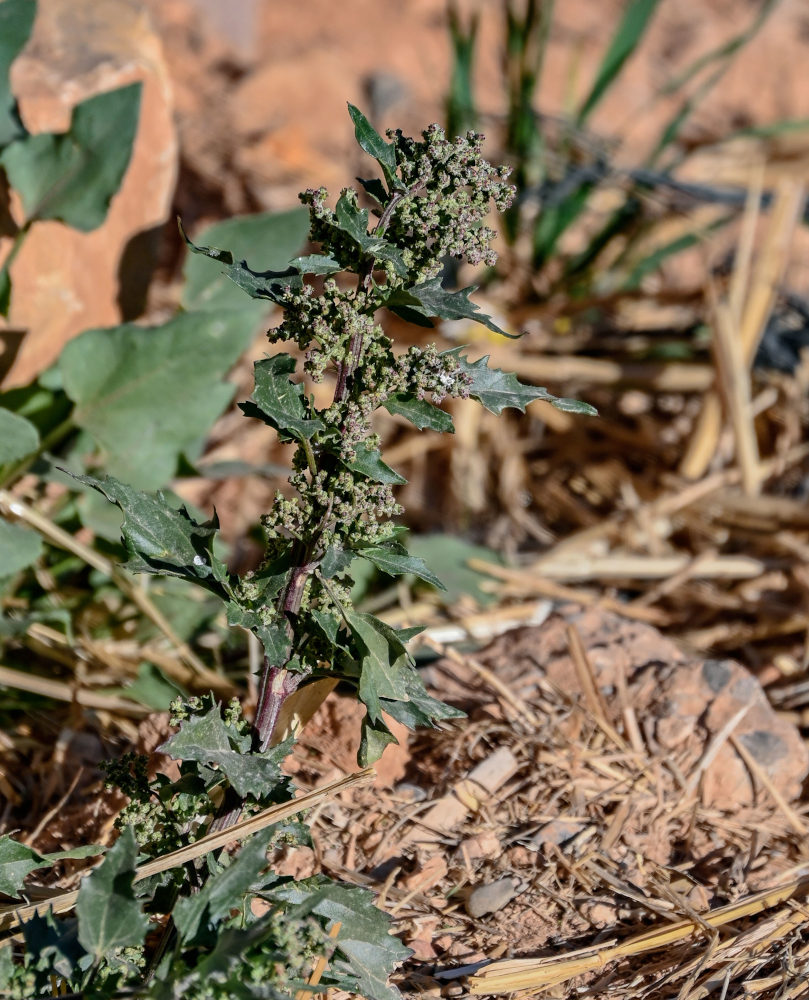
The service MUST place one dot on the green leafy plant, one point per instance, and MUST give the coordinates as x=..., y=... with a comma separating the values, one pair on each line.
x=430, y=202
x=69, y=176
x=215, y=925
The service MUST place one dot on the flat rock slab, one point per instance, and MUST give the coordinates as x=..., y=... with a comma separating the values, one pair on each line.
x=491, y=897
x=65, y=281
x=698, y=712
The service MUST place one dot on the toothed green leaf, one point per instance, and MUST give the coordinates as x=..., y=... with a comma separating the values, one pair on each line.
x=109, y=914
x=374, y=738
x=421, y=709
x=497, y=389
x=335, y=560
x=205, y=739
x=224, y=891
x=315, y=263
x=353, y=221
x=280, y=402
x=383, y=663
x=399, y=563
x=164, y=541
x=268, y=237
x=16, y=862
x=373, y=144
x=270, y=285
x=272, y=636
x=430, y=300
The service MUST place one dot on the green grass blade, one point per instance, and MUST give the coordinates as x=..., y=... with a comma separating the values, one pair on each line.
x=527, y=29
x=462, y=112
x=650, y=263
x=555, y=219
x=624, y=42
x=722, y=56
x=623, y=218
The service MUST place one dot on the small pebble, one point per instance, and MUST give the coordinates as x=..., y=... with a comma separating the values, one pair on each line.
x=491, y=897
x=410, y=793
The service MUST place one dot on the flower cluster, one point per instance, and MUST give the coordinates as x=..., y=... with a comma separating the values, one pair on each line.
x=426, y=372
x=349, y=507
x=433, y=205
x=452, y=186
x=331, y=320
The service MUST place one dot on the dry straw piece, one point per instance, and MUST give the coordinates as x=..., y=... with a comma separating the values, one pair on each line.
x=530, y=974
x=13, y=916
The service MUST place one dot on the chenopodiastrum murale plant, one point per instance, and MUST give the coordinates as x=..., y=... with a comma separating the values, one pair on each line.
x=193, y=928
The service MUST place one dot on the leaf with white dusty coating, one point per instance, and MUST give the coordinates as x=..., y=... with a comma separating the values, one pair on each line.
x=497, y=389
x=205, y=739
x=162, y=540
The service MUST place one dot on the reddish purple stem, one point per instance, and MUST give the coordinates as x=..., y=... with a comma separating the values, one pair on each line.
x=277, y=684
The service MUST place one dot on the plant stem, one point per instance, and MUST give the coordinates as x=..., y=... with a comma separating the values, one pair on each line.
x=310, y=456
x=277, y=684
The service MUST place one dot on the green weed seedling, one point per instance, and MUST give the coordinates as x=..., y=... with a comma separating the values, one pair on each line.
x=194, y=930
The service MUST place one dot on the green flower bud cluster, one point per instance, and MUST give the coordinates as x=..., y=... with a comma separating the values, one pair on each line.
x=421, y=372
x=455, y=187
x=430, y=373
x=352, y=505
x=330, y=320
x=129, y=773
x=324, y=228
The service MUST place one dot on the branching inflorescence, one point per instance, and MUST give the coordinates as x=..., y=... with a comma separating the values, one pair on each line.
x=431, y=203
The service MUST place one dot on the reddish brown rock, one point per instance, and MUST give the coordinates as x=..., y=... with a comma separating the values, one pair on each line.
x=65, y=281
x=685, y=705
